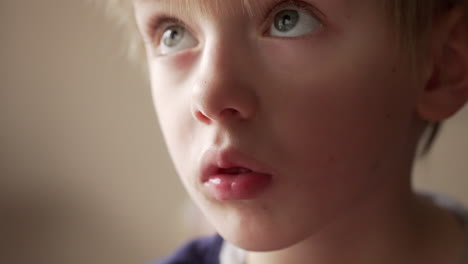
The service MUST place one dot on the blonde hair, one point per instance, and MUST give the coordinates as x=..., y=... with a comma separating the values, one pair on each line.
x=121, y=13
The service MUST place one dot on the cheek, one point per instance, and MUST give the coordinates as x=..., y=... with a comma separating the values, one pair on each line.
x=173, y=110
x=351, y=103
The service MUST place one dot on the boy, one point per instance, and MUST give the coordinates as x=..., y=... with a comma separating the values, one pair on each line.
x=294, y=124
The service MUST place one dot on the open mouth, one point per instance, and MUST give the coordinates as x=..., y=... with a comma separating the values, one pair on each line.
x=229, y=175
x=236, y=183
x=234, y=170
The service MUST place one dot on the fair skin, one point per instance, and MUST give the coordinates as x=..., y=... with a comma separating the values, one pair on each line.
x=332, y=111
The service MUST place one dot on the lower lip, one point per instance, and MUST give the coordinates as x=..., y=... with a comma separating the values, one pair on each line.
x=245, y=186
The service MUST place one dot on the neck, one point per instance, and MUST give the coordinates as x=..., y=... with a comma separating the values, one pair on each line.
x=386, y=227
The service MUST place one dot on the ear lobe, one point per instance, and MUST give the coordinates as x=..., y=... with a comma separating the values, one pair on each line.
x=446, y=91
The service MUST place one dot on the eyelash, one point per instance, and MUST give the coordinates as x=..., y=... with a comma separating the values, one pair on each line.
x=275, y=7
x=158, y=24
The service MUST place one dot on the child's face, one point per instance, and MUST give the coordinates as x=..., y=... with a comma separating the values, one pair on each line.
x=314, y=91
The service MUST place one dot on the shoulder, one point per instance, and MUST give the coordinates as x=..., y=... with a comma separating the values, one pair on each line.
x=458, y=209
x=204, y=250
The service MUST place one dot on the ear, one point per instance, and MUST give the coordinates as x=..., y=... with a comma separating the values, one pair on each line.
x=446, y=87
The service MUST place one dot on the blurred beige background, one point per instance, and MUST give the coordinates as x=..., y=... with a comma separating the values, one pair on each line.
x=85, y=177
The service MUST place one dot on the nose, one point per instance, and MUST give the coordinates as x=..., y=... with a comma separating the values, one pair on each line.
x=224, y=90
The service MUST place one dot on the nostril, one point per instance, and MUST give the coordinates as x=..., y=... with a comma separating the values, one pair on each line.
x=229, y=112
x=202, y=117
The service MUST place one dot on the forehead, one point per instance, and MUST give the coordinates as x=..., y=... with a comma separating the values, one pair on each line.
x=208, y=7
x=226, y=7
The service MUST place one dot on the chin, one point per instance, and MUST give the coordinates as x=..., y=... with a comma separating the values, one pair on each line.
x=261, y=236
x=258, y=225
x=261, y=242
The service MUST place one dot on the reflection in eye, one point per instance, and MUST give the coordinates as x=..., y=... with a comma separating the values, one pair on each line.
x=291, y=23
x=175, y=39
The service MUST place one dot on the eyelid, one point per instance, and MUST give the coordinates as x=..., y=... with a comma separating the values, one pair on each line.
x=158, y=24
x=278, y=6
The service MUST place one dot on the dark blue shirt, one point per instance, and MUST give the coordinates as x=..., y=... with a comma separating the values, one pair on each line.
x=200, y=251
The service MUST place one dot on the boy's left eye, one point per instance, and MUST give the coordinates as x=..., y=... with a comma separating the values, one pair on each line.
x=293, y=22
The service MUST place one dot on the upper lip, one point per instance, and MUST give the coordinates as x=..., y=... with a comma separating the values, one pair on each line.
x=215, y=159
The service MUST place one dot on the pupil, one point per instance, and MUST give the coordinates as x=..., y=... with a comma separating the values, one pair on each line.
x=286, y=20
x=173, y=36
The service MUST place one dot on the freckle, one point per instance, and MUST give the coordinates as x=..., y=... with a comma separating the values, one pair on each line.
x=388, y=116
x=394, y=70
x=331, y=159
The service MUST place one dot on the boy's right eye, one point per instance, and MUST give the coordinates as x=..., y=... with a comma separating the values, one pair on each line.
x=176, y=38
